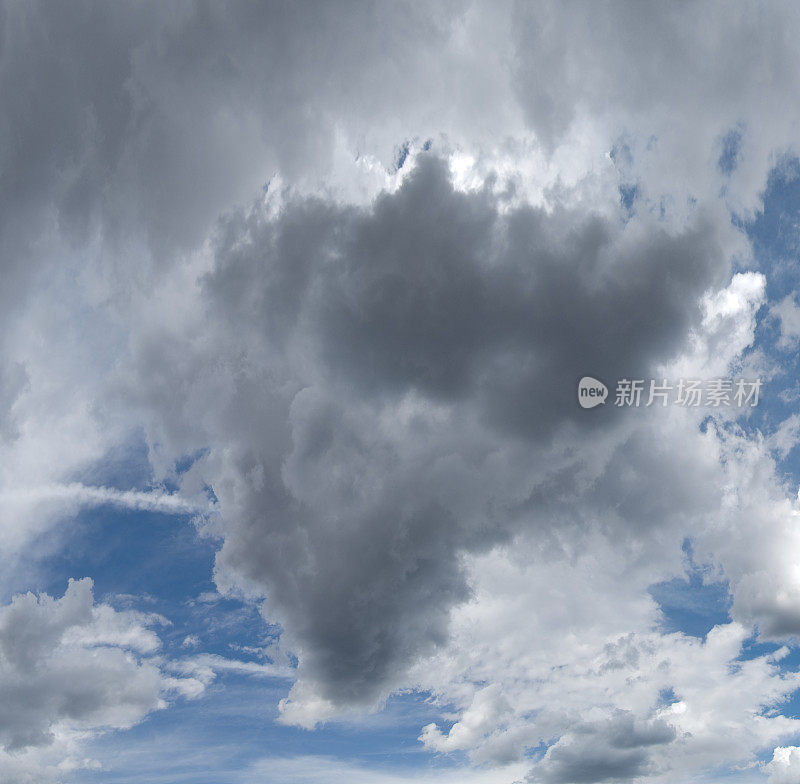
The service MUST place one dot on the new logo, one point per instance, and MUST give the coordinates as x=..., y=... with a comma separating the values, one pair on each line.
x=591, y=392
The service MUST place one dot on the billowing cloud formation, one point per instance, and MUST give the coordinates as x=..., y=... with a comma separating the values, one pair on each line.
x=613, y=750
x=785, y=765
x=68, y=666
x=466, y=208
x=404, y=361
x=108, y=175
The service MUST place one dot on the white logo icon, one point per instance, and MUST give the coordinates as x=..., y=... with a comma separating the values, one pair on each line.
x=591, y=392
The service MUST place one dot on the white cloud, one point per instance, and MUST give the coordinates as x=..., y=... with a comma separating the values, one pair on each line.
x=206, y=666
x=327, y=770
x=79, y=495
x=788, y=315
x=68, y=669
x=785, y=765
x=786, y=436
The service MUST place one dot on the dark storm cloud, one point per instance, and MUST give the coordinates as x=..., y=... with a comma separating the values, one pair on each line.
x=127, y=129
x=435, y=291
x=349, y=518
x=322, y=321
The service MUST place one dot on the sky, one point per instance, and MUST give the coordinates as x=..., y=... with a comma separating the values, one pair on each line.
x=297, y=483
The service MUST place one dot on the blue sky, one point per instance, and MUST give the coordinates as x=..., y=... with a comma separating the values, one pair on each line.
x=157, y=563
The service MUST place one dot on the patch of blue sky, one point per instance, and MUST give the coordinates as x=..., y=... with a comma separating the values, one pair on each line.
x=774, y=233
x=731, y=150
x=775, y=229
x=155, y=562
x=224, y=734
x=402, y=155
x=747, y=774
x=627, y=197
x=622, y=156
x=667, y=697
x=791, y=708
x=125, y=466
x=693, y=604
x=536, y=753
x=404, y=150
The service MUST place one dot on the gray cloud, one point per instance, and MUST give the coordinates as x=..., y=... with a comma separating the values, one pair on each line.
x=67, y=662
x=132, y=132
x=613, y=750
x=329, y=321
x=386, y=384
x=434, y=291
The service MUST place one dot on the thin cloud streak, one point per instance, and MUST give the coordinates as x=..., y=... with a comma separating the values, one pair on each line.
x=87, y=496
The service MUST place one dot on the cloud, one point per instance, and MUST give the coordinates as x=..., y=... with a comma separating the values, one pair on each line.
x=206, y=666
x=190, y=641
x=482, y=717
x=583, y=72
x=379, y=361
x=356, y=481
x=576, y=667
x=785, y=765
x=87, y=235
x=613, y=750
x=788, y=315
x=69, y=668
x=328, y=770
x=85, y=495
x=383, y=376
x=54, y=671
x=785, y=437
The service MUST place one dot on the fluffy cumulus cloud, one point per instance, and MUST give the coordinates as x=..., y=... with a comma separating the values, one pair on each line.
x=69, y=666
x=785, y=765
x=353, y=259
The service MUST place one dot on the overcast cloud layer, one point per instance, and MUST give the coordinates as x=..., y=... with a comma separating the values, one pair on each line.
x=339, y=267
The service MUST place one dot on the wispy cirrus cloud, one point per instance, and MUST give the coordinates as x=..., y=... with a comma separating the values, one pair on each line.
x=75, y=494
